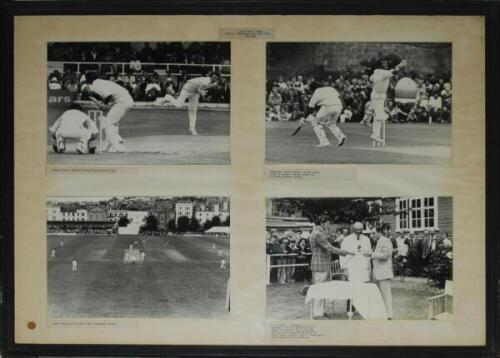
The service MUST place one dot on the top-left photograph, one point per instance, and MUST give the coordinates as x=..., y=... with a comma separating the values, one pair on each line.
x=138, y=103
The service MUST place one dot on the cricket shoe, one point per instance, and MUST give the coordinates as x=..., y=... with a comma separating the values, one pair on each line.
x=116, y=149
x=81, y=148
x=324, y=144
x=342, y=141
x=61, y=147
x=54, y=144
x=193, y=132
x=105, y=145
x=376, y=139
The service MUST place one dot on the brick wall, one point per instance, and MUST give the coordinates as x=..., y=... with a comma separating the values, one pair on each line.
x=290, y=58
x=445, y=214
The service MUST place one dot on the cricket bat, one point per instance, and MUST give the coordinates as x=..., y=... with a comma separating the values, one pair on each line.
x=297, y=130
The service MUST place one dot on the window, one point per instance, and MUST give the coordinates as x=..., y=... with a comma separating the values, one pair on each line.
x=403, y=214
x=416, y=213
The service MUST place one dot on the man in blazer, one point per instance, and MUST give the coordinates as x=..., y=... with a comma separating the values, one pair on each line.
x=321, y=259
x=382, y=268
x=414, y=254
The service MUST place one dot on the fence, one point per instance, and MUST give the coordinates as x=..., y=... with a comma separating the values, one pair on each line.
x=269, y=266
x=121, y=68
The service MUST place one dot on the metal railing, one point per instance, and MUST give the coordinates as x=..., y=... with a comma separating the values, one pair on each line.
x=269, y=266
x=126, y=67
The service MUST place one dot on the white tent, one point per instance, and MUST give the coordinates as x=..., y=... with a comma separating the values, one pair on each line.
x=218, y=230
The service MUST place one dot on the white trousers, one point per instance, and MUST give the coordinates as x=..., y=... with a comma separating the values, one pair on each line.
x=110, y=123
x=328, y=116
x=193, y=100
x=378, y=103
x=319, y=305
x=386, y=292
x=69, y=129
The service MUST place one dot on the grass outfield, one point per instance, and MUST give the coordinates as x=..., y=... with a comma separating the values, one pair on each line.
x=405, y=144
x=409, y=302
x=158, y=136
x=179, y=278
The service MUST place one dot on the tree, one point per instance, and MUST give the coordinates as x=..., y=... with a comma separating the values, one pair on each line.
x=194, y=225
x=227, y=222
x=123, y=221
x=150, y=223
x=183, y=224
x=343, y=210
x=216, y=221
x=171, y=225
x=207, y=225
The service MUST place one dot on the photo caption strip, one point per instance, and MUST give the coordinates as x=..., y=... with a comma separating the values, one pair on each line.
x=232, y=33
x=310, y=173
x=51, y=169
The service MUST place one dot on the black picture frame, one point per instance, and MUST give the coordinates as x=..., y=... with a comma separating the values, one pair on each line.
x=488, y=9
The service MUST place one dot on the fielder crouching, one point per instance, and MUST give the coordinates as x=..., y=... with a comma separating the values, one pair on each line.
x=74, y=123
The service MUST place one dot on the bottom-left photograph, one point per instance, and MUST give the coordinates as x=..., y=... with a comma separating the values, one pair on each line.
x=140, y=257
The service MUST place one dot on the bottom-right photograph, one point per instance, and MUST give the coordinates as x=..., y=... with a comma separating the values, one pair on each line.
x=359, y=258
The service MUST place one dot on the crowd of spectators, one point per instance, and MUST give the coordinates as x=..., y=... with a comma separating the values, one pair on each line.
x=158, y=52
x=144, y=73
x=287, y=97
x=77, y=229
x=412, y=254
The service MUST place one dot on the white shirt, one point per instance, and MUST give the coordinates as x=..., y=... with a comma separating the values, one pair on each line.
x=402, y=247
x=197, y=85
x=381, y=79
x=80, y=119
x=358, y=266
x=325, y=96
x=435, y=102
x=105, y=88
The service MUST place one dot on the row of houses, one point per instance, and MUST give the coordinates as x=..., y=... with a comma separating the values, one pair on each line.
x=200, y=211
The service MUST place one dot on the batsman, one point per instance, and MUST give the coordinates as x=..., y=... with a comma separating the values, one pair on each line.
x=330, y=107
x=380, y=79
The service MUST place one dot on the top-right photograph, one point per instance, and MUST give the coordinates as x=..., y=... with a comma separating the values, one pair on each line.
x=359, y=103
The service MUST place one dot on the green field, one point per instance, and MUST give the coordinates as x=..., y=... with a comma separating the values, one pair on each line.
x=158, y=136
x=180, y=277
x=409, y=301
x=405, y=144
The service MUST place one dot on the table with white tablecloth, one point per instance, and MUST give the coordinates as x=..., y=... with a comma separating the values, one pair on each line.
x=365, y=297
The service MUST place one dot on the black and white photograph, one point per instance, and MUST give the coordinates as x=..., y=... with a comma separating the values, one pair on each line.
x=138, y=102
x=358, y=103
x=138, y=257
x=377, y=258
